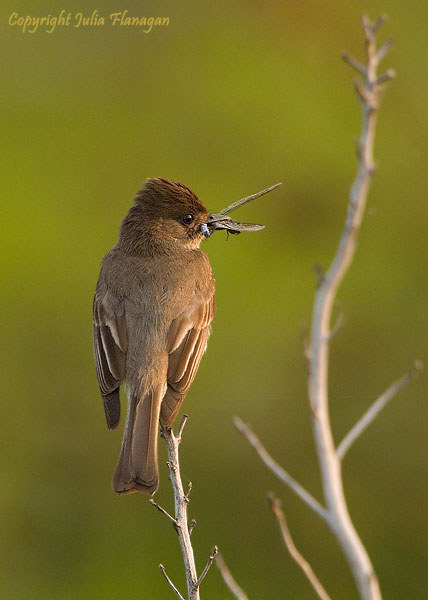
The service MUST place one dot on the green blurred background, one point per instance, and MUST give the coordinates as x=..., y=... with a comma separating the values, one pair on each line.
x=229, y=98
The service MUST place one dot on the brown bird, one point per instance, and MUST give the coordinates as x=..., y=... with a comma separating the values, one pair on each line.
x=153, y=306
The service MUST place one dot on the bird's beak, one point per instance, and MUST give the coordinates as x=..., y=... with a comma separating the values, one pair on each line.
x=215, y=222
x=224, y=222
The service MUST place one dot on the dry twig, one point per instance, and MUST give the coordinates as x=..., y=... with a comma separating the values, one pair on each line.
x=281, y=473
x=177, y=593
x=180, y=521
x=228, y=578
x=369, y=92
x=207, y=566
x=372, y=412
x=295, y=554
x=336, y=515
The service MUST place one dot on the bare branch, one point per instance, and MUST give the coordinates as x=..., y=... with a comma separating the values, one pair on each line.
x=247, y=199
x=181, y=501
x=192, y=526
x=353, y=62
x=181, y=427
x=162, y=568
x=384, y=49
x=228, y=578
x=379, y=22
x=273, y=466
x=369, y=93
x=163, y=511
x=385, y=77
x=294, y=552
x=207, y=567
x=369, y=28
x=189, y=489
x=370, y=415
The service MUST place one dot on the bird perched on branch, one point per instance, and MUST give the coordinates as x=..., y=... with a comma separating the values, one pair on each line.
x=153, y=306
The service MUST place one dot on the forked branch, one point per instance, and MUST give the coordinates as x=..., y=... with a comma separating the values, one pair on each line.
x=369, y=91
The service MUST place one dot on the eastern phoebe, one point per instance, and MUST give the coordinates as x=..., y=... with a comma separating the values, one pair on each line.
x=153, y=306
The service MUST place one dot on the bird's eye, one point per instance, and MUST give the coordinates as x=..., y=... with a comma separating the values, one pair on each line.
x=187, y=219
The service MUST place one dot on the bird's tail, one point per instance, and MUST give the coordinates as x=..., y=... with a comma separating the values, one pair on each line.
x=137, y=468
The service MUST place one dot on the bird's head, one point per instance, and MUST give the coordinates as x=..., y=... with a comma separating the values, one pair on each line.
x=174, y=212
x=168, y=212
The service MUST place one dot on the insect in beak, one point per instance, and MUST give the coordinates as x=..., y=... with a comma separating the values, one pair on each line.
x=224, y=222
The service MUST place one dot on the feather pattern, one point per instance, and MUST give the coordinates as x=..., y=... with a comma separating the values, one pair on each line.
x=183, y=361
x=110, y=344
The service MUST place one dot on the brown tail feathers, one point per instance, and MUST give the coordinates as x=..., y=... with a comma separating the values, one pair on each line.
x=137, y=468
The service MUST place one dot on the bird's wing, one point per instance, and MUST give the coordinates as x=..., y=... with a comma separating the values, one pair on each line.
x=187, y=341
x=110, y=343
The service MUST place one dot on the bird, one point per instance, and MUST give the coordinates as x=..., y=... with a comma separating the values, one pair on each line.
x=153, y=307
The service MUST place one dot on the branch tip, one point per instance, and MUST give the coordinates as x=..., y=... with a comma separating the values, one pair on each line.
x=181, y=427
x=207, y=567
x=385, y=77
x=189, y=489
x=192, y=526
x=379, y=22
x=372, y=412
x=239, y=424
x=384, y=49
x=368, y=27
x=418, y=366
